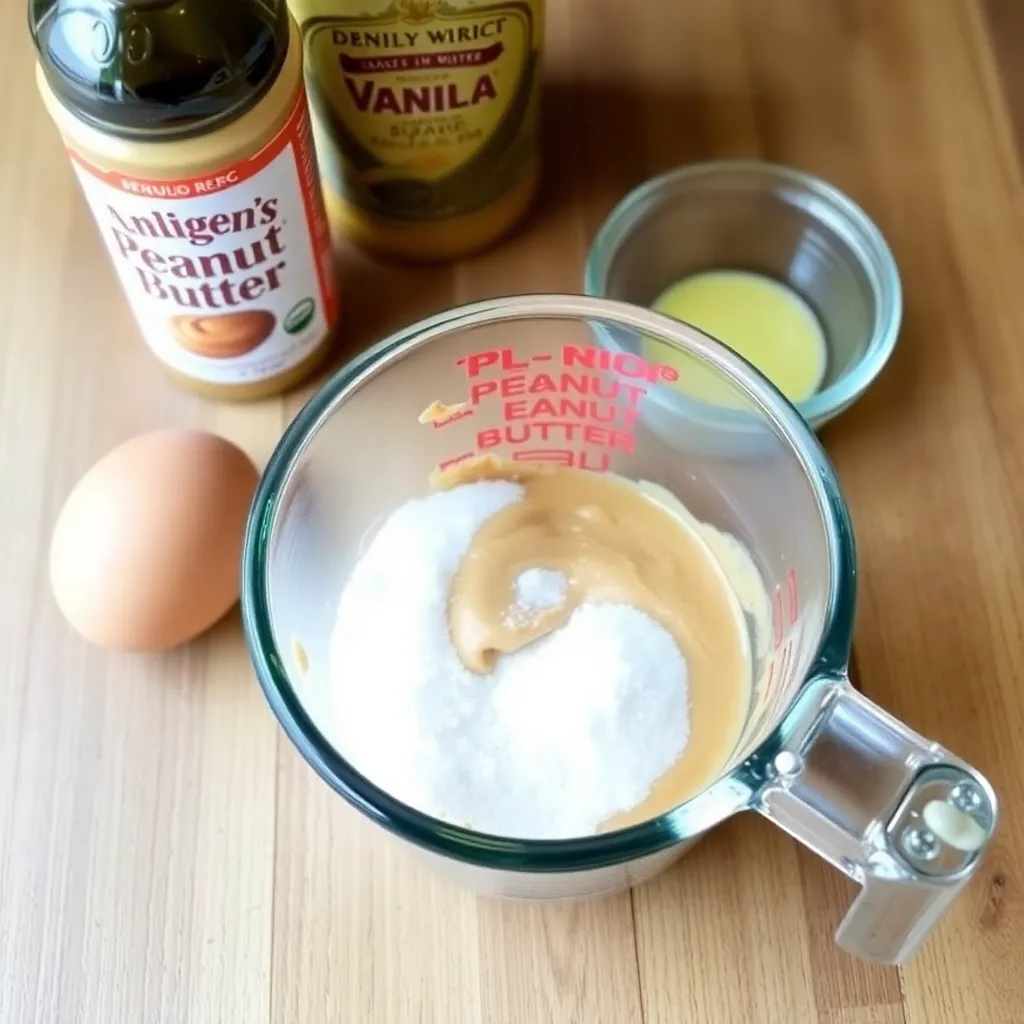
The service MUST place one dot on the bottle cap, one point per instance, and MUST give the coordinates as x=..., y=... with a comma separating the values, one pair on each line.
x=165, y=67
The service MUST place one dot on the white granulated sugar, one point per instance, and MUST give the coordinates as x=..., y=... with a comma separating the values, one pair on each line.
x=536, y=591
x=561, y=736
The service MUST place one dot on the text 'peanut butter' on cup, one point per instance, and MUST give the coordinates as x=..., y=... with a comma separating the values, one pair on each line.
x=187, y=126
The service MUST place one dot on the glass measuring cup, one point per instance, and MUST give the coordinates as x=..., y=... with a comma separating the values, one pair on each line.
x=558, y=380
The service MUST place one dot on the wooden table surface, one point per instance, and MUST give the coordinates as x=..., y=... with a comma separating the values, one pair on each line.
x=166, y=856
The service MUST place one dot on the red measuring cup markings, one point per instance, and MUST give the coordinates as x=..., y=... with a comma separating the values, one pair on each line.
x=572, y=414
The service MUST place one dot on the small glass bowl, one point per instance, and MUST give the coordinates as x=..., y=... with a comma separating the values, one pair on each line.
x=772, y=220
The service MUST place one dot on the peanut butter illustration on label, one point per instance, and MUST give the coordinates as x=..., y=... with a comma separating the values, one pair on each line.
x=226, y=335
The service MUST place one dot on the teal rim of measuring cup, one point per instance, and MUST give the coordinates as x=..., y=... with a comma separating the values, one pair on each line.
x=836, y=209
x=727, y=796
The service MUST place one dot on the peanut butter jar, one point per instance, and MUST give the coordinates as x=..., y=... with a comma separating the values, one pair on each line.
x=186, y=123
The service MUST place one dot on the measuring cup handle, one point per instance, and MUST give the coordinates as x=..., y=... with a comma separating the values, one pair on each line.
x=897, y=813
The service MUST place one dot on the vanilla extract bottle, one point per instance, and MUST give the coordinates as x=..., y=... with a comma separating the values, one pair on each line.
x=426, y=118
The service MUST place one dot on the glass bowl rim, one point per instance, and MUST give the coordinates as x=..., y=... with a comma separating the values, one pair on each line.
x=729, y=794
x=868, y=244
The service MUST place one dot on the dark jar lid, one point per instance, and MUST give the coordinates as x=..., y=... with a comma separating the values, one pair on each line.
x=159, y=68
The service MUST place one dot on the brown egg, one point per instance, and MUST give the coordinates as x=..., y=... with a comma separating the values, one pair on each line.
x=145, y=553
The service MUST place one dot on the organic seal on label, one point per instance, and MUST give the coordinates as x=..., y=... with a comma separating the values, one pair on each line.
x=299, y=316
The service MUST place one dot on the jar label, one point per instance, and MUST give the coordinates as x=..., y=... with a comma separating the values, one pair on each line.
x=425, y=110
x=230, y=275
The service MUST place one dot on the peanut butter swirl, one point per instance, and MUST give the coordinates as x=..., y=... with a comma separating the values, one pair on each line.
x=614, y=545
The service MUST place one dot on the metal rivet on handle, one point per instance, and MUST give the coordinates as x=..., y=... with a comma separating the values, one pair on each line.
x=787, y=764
x=921, y=843
x=965, y=797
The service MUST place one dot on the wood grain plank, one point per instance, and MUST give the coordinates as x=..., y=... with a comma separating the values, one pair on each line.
x=723, y=935
x=1001, y=33
x=37, y=212
x=841, y=982
x=936, y=646
x=862, y=1015
x=558, y=964
x=136, y=800
x=363, y=932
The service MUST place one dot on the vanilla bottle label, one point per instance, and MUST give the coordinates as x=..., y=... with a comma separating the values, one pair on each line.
x=431, y=105
x=229, y=274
